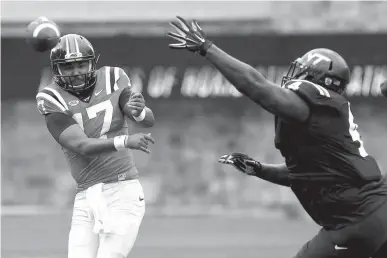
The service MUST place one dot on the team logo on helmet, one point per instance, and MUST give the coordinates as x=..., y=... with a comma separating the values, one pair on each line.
x=73, y=55
x=74, y=102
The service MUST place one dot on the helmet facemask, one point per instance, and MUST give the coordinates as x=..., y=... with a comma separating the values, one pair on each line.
x=296, y=71
x=69, y=82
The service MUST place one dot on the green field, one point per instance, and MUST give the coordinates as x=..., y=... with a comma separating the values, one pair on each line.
x=45, y=236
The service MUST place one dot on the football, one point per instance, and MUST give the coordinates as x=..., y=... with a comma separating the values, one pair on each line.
x=42, y=34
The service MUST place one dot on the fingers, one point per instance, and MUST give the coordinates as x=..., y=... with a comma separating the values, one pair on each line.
x=195, y=26
x=180, y=38
x=240, y=155
x=239, y=163
x=177, y=37
x=136, y=102
x=136, y=106
x=145, y=149
x=250, y=162
x=145, y=141
x=177, y=46
x=178, y=28
x=148, y=137
x=183, y=23
x=226, y=159
x=198, y=29
x=184, y=39
x=136, y=95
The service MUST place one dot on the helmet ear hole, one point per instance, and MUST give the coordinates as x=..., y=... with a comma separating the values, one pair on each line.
x=328, y=81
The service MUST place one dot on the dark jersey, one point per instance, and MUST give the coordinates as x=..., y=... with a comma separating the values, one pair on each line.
x=330, y=172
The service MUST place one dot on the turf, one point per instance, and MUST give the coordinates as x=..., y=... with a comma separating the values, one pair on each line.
x=45, y=236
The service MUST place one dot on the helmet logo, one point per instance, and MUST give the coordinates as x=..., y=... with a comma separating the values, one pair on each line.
x=73, y=55
x=317, y=58
x=74, y=102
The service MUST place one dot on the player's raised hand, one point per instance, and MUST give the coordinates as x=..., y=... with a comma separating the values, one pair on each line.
x=189, y=36
x=242, y=162
x=136, y=104
x=139, y=141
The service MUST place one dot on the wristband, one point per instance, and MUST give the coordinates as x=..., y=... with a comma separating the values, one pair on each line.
x=258, y=167
x=141, y=116
x=119, y=142
x=204, y=47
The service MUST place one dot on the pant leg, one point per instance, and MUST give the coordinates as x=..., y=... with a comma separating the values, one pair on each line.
x=82, y=241
x=360, y=240
x=126, y=209
x=320, y=246
x=382, y=252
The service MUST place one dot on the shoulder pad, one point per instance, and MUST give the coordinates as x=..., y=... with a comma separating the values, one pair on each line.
x=115, y=78
x=310, y=92
x=50, y=101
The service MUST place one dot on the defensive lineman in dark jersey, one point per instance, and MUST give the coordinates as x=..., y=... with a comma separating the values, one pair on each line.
x=326, y=165
x=85, y=110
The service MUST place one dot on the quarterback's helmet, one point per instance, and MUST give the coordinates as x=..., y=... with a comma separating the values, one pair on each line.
x=322, y=66
x=73, y=48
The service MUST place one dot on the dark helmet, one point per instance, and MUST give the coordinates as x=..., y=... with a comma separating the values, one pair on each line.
x=321, y=66
x=73, y=48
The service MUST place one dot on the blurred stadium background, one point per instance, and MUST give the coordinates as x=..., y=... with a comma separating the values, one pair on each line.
x=195, y=207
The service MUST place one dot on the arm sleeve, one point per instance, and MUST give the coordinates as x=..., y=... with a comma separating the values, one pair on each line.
x=58, y=122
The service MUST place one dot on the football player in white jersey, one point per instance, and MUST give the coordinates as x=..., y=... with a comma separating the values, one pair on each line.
x=85, y=109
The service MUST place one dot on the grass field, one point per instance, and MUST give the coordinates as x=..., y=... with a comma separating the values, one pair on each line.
x=45, y=236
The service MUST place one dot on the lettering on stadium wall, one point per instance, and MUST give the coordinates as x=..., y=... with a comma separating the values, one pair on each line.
x=205, y=81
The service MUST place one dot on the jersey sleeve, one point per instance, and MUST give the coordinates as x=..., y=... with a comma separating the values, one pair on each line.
x=58, y=122
x=49, y=102
x=123, y=79
x=118, y=79
x=313, y=94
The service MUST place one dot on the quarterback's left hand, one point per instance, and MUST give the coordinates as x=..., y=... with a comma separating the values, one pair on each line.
x=242, y=162
x=136, y=104
x=190, y=36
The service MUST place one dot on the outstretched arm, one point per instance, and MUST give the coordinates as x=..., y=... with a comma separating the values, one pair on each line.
x=278, y=101
x=274, y=173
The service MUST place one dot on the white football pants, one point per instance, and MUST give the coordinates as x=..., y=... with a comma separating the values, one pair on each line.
x=106, y=219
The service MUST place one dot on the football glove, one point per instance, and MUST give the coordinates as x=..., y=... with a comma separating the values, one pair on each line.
x=190, y=36
x=242, y=162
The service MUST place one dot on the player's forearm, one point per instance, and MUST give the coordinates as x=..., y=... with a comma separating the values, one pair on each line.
x=149, y=119
x=96, y=147
x=74, y=139
x=244, y=77
x=274, y=173
x=89, y=146
x=253, y=84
